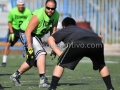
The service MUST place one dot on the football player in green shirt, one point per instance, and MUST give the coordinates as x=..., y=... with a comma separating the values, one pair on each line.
x=34, y=28
x=15, y=18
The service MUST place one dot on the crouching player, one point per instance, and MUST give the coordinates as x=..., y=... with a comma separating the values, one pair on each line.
x=38, y=24
x=80, y=43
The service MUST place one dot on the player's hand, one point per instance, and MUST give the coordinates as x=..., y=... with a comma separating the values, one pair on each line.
x=101, y=38
x=30, y=54
x=53, y=54
x=12, y=37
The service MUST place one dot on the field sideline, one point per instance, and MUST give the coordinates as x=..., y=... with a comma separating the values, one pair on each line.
x=82, y=78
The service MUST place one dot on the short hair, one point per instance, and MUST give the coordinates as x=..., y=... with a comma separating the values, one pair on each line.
x=54, y=1
x=68, y=21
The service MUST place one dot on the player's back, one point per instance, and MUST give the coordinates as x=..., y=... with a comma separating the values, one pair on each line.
x=73, y=33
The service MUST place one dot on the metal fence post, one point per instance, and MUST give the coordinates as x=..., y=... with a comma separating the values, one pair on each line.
x=13, y=3
x=65, y=8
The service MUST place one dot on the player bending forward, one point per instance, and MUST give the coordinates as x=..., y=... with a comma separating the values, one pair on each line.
x=80, y=43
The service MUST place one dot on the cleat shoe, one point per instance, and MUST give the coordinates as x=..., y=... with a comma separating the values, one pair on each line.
x=51, y=88
x=3, y=64
x=1, y=87
x=111, y=89
x=44, y=83
x=15, y=78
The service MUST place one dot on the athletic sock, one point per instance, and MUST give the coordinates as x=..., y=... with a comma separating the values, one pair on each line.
x=4, y=59
x=107, y=81
x=42, y=75
x=54, y=82
x=17, y=73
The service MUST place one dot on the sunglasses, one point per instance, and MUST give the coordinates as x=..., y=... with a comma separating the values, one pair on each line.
x=48, y=8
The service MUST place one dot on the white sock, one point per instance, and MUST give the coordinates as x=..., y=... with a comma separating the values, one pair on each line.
x=4, y=59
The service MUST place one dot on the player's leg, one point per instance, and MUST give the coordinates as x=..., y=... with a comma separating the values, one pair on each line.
x=57, y=74
x=41, y=65
x=7, y=47
x=16, y=75
x=40, y=54
x=6, y=51
x=24, y=67
x=97, y=58
x=69, y=59
x=105, y=74
x=5, y=54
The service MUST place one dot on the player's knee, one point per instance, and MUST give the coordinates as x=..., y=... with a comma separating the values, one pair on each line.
x=101, y=67
x=27, y=61
x=98, y=67
x=8, y=44
x=30, y=63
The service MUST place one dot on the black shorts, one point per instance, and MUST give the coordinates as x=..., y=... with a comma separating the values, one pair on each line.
x=85, y=47
x=16, y=32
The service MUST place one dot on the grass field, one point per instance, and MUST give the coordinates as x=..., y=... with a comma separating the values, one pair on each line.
x=82, y=78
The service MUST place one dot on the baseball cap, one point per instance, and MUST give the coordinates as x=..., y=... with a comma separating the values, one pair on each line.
x=20, y=2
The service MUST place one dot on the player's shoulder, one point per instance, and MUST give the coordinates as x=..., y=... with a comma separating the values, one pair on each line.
x=56, y=13
x=38, y=11
x=13, y=9
x=27, y=9
x=41, y=9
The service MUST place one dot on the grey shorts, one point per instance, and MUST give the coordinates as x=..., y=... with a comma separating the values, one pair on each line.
x=36, y=43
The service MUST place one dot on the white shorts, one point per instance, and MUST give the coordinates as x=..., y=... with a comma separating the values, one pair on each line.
x=36, y=43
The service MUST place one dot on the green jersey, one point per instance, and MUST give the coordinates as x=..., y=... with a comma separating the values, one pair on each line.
x=16, y=17
x=45, y=22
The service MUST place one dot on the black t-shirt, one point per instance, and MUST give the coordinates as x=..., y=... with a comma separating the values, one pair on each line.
x=72, y=33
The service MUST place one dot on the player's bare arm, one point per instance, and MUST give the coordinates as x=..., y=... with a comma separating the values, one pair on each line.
x=10, y=27
x=53, y=45
x=32, y=25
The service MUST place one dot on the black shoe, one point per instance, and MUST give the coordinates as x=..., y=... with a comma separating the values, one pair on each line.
x=111, y=89
x=51, y=88
x=1, y=88
x=3, y=64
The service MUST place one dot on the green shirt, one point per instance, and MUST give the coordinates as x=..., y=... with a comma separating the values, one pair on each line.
x=45, y=22
x=16, y=17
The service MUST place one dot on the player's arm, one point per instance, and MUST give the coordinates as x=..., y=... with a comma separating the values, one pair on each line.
x=10, y=27
x=54, y=29
x=31, y=26
x=11, y=35
x=10, y=20
x=53, y=45
x=101, y=38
